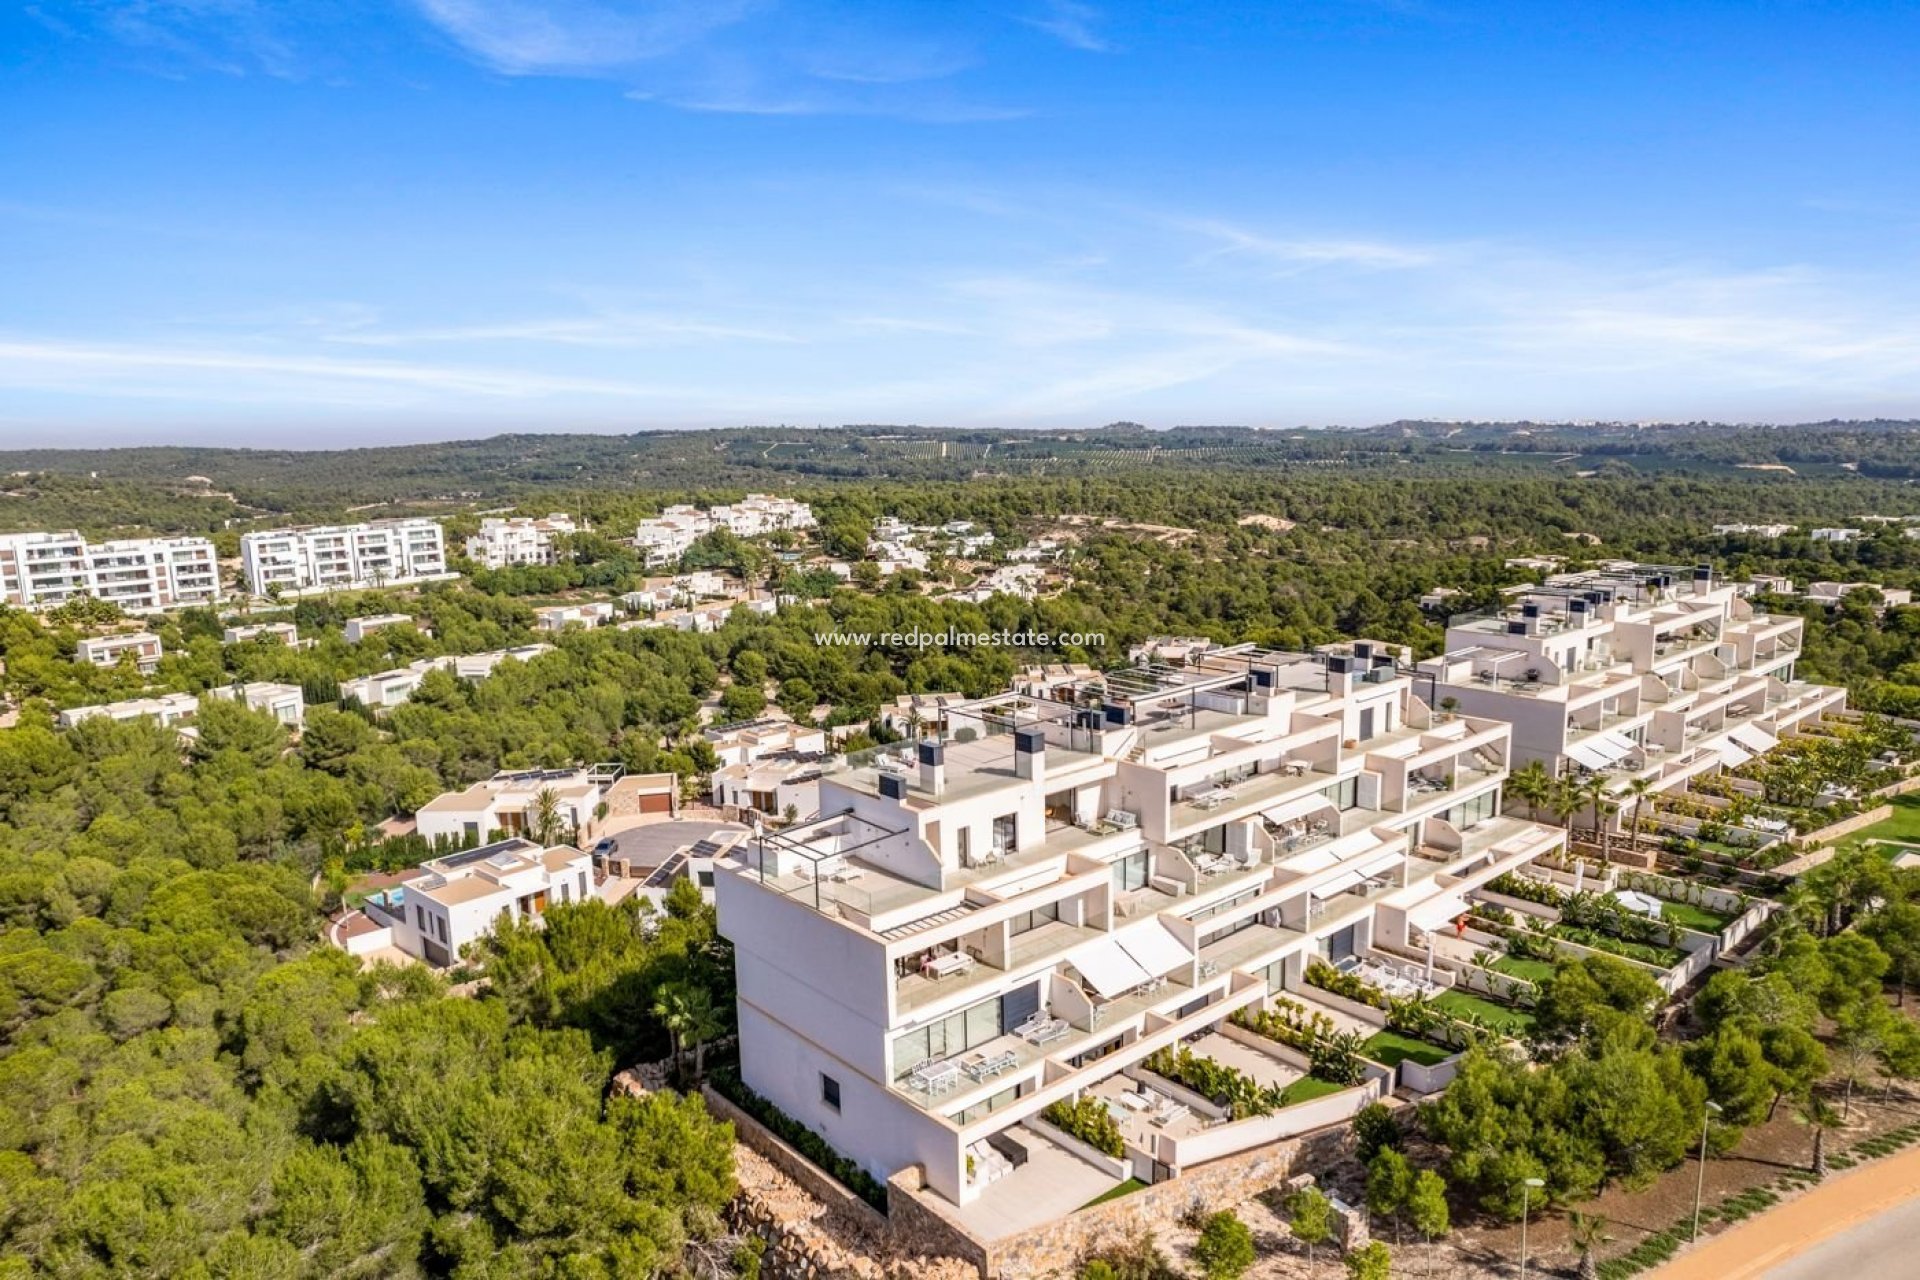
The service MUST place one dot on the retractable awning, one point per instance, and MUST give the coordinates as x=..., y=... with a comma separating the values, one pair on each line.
x=1435, y=913
x=1587, y=755
x=1311, y=861
x=1732, y=755
x=1754, y=739
x=1616, y=746
x=1155, y=949
x=1361, y=869
x=1298, y=807
x=1108, y=969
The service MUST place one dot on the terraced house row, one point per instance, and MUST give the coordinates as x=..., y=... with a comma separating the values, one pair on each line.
x=1081, y=877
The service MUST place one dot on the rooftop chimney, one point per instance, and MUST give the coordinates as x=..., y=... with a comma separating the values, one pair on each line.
x=1030, y=754
x=893, y=787
x=933, y=766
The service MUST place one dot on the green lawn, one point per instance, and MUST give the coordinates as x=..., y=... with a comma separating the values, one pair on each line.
x=1501, y=1017
x=1688, y=916
x=1126, y=1188
x=1390, y=1049
x=1523, y=968
x=1307, y=1088
x=1903, y=824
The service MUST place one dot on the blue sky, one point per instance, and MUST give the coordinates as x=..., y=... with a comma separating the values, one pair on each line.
x=305, y=222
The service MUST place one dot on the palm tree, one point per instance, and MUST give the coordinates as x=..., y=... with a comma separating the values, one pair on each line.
x=546, y=821
x=1587, y=1231
x=673, y=1008
x=703, y=1023
x=1532, y=785
x=1566, y=799
x=1602, y=803
x=1639, y=789
x=1814, y=1112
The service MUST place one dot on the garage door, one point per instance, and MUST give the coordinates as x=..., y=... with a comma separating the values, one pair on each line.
x=661, y=803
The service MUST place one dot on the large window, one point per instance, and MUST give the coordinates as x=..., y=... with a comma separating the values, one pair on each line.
x=1472, y=813
x=994, y=1103
x=1028, y=921
x=953, y=1034
x=1006, y=832
x=1130, y=872
x=1343, y=795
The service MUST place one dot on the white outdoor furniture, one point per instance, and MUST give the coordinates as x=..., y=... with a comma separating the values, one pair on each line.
x=947, y=964
x=1170, y=1115
x=980, y=1067
x=1122, y=819
x=1211, y=798
x=936, y=1077
x=1136, y=1102
x=1209, y=864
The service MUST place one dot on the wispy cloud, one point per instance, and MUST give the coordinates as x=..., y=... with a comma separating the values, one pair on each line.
x=1311, y=252
x=602, y=331
x=567, y=37
x=1073, y=24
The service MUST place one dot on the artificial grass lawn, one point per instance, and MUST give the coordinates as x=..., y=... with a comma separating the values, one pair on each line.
x=1526, y=969
x=1688, y=916
x=1903, y=824
x=1307, y=1088
x=1501, y=1017
x=1390, y=1049
x=1126, y=1188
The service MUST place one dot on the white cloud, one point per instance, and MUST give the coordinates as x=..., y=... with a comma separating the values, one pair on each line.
x=548, y=37
x=1072, y=24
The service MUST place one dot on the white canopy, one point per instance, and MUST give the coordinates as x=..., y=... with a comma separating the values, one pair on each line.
x=1298, y=807
x=1435, y=913
x=1360, y=869
x=1617, y=746
x=1754, y=739
x=1311, y=861
x=1732, y=755
x=1587, y=755
x=1109, y=969
x=1154, y=948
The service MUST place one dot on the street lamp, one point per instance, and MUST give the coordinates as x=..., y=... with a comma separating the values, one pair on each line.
x=1527, y=1187
x=1700, y=1182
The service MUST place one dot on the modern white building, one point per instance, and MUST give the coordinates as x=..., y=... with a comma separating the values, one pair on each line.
x=109, y=650
x=378, y=553
x=518, y=540
x=358, y=629
x=559, y=617
x=1634, y=671
x=454, y=900
x=1831, y=593
x=509, y=803
x=1836, y=535
x=663, y=539
x=1022, y=913
x=1756, y=530
x=279, y=632
x=769, y=786
x=285, y=702
x=745, y=741
x=141, y=575
x=386, y=689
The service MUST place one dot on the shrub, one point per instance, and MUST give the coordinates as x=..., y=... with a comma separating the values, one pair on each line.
x=1229, y=1087
x=1225, y=1247
x=1349, y=985
x=802, y=1139
x=1088, y=1120
x=1375, y=1130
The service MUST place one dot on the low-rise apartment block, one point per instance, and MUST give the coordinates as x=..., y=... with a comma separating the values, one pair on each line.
x=774, y=786
x=748, y=740
x=378, y=553
x=385, y=689
x=278, y=632
x=1837, y=535
x=519, y=540
x=976, y=927
x=668, y=536
x=1755, y=530
x=141, y=575
x=108, y=651
x=457, y=899
x=1633, y=671
x=1832, y=593
x=511, y=803
x=358, y=629
x=284, y=701
x=561, y=616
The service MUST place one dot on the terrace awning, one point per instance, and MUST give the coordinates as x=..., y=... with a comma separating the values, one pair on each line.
x=1733, y=755
x=1108, y=969
x=1155, y=949
x=1298, y=807
x=1361, y=869
x=1754, y=739
x=1437, y=912
x=1617, y=746
x=1587, y=755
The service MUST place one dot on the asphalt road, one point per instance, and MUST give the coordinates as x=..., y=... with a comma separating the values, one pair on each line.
x=649, y=845
x=1883, y=1248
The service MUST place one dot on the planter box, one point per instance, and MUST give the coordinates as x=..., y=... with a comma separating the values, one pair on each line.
x=1118, y=1166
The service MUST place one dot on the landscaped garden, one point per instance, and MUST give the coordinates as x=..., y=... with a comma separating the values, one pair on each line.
x=1524, y=968
x=1391, y=1048
x=1505, y=1019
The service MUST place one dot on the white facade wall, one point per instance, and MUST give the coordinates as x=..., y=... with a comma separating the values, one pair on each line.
x=343, y=557
x=141, y=575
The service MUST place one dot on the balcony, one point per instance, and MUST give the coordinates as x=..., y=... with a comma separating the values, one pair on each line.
x=916, y=990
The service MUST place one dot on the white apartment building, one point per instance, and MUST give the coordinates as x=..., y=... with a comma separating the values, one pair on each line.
x=509, y=802
x=385, y=689
x=457, y=899
x=1836, y=535
x=561, y=616
x=665, y=538
x=1632, y=671
x=279, y=632
x=518, y=540
x=378, y=553
x=1026, y=910
x=769, y=786
x=748, y=740
x=141, y=575
x=358, y=629
x=284, y=701
x=107, y=651
x=1756, y=530
x=1831, y=593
